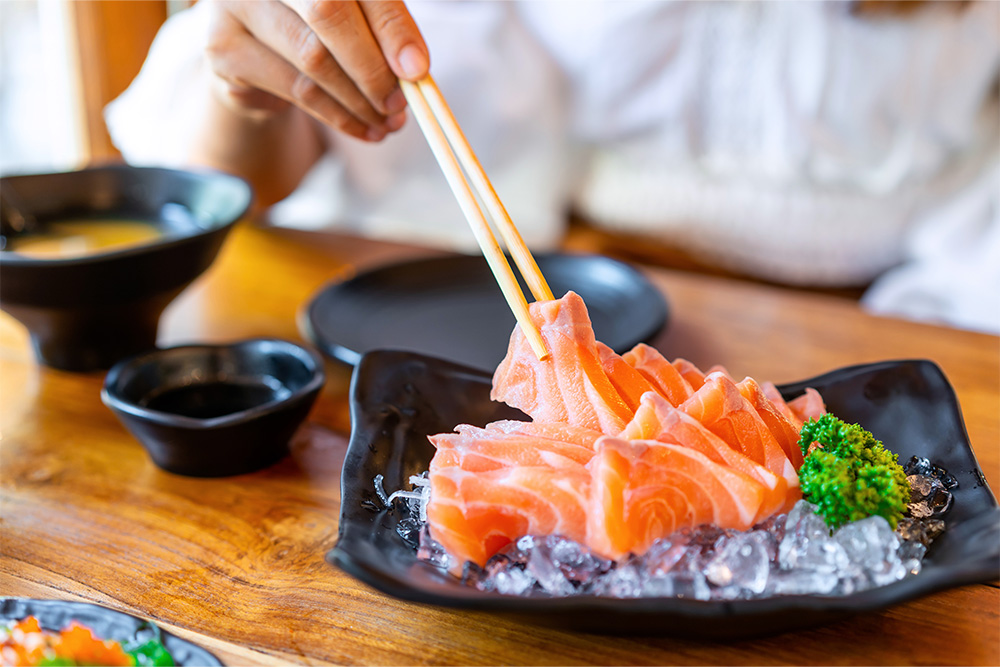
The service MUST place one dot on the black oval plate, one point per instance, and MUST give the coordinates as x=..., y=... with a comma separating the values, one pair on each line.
x=398, y=399
x=451, y=307
x=106, y=623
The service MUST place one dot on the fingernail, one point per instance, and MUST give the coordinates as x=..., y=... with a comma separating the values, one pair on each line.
x=413, y=62
x=395, y=102
x=374, y=134
x=395, y=121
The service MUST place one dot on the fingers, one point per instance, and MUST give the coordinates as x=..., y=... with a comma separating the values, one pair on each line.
x=284, y=32
x=398, y=37
x=328, y=57
x=248, y=66
x=343, y=29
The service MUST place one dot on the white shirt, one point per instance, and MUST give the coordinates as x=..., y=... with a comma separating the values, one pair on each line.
x=792, y=141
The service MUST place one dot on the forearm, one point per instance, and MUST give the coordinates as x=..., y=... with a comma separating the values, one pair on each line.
x=271, y=150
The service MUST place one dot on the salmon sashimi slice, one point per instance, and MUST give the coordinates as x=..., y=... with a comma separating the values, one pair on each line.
x=779, y=402
x=571, y=385
x=808, y=406
x=477, y=449
x=661, y=374
x=719, y=368
x=721, y=408
x=576, y=435
x=643, y=490
x=473, y=515
x=656, y=419
x=689, y=372
x=784, y=431
x=630, y=383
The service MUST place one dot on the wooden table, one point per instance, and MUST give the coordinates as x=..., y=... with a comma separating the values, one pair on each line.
x=237, y=564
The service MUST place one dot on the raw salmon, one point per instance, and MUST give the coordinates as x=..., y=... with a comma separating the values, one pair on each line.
x=808, y=406
x=784, y=431
x=642, y=490
x=571, y=386
x=576, y=435
x=474, y=514
x=622, y=450
x=478, y=449
x=689, y=372
x=656, y=419
x=660, y=373
x=779, y=402
x=721, y=408
x=627, y=381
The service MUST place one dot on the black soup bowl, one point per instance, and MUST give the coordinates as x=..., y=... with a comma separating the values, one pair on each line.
x=85, y=312
x=216, y=410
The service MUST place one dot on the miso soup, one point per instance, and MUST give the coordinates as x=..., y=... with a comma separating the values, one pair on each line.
x=86, y=236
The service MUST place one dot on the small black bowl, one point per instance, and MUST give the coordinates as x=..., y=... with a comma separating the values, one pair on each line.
x=85, y=313
x=215, y=410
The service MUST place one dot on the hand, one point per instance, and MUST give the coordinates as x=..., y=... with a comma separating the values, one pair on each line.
x=337, y=61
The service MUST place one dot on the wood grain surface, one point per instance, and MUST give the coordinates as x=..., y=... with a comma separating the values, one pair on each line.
x=237, y=564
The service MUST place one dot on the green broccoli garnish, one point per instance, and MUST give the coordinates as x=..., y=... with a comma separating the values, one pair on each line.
x=849, y=475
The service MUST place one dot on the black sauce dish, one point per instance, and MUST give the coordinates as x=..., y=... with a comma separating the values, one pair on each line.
x=399, y=398
x=216, y=410
x=84, y=313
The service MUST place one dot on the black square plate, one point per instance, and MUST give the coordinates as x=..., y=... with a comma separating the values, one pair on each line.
x=399, y=398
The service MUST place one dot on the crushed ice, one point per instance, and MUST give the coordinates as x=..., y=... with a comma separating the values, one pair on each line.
x=792, y=554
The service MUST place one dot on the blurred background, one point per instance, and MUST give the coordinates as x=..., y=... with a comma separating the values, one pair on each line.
x=71, y=58
x=913, y=118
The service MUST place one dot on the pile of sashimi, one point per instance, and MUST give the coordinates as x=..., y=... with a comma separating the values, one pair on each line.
x=621, y=451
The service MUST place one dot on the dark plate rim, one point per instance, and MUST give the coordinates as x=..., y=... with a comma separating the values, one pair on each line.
x=203, y=656
x=933, y=578
x=307, y=316
x=166, y=241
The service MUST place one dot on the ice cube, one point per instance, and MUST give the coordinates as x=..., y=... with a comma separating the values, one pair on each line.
x=918, y=465
x=741, y=561
x=680, y=583
x=803, y=510
x=920, y=530
x=775, y=525
x=928, y=497
x=705, y=535
x=801, y=582
x=512, y=581
x=869, y=542
x=431, y=551
x=577, y=563
x=624, y=581
x=664, y=555
x=911, y=554
x=473, y=575
x=526, y=543
x=409, y=529
x=933, y=529
x=852, y=579
x=546, y=572
x=872, y=546
x=816, y=553
x=807, y=544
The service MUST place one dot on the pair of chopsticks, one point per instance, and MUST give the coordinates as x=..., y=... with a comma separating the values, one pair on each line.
x=453, y=153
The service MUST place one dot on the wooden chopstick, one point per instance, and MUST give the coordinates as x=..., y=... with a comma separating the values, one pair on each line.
x=438, y=141
x=498, y=213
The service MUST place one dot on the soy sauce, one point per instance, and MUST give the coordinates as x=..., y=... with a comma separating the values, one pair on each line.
x=214, y=399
